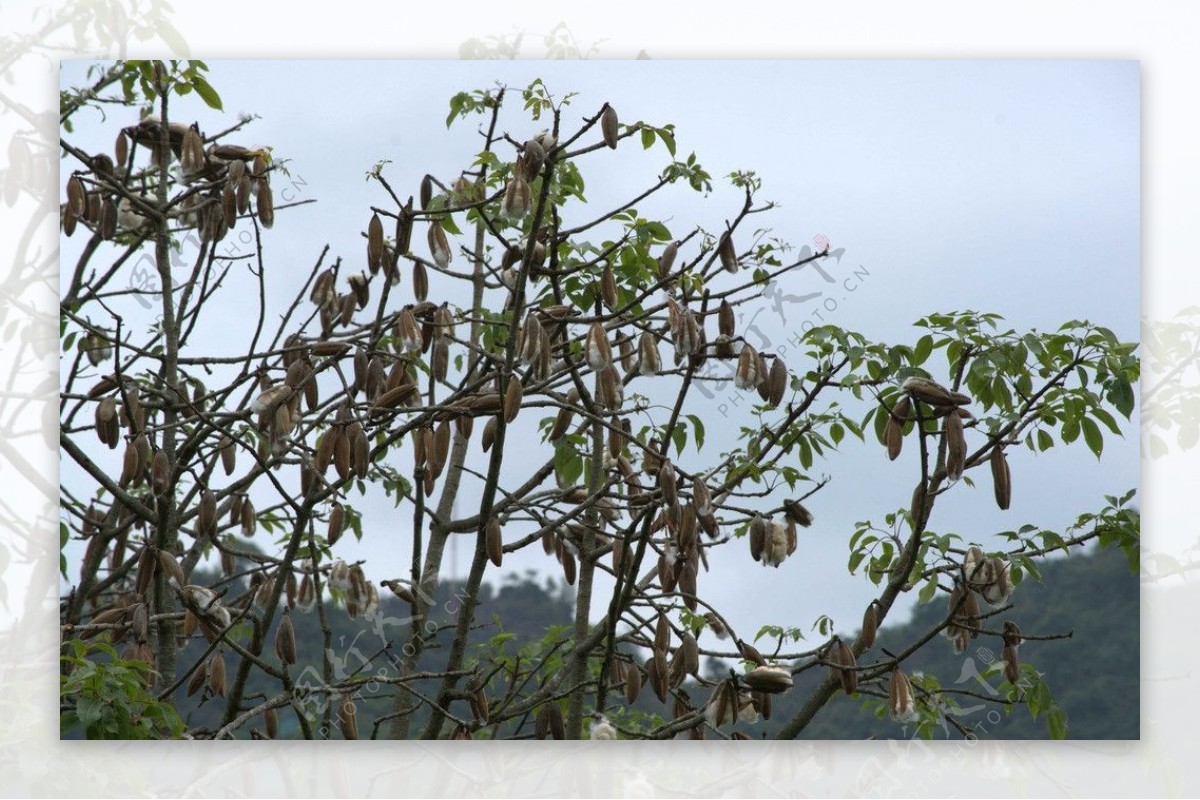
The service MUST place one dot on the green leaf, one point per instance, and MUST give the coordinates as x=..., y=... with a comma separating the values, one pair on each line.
x=697, y=430
x=679, y=437
x=1070, y=431
x=922, y=350
x=1092, y=435
x=927, y=591
x=647, y=138
x=668, y=138
x=1120, y=394
x=836, y=433
x=1056, y=723
x=207, y=93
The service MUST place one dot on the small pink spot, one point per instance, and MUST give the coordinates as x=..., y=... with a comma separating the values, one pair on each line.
x=821, y=243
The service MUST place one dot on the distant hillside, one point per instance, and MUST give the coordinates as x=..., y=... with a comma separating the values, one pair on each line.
x=1094, y=675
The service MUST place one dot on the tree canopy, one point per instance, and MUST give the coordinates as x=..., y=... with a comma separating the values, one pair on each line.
x=517, y=370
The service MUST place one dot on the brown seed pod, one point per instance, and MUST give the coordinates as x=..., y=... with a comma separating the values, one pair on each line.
x=170, y=567
x=228, y=455
x=625, y=350
x=216, y=674
x=285, y=639
x=348, y=717
x=596, y=348
x=933, y=393
x=893, y=434
x=1012, y=668
x=919, y=503
x=549, y=722
x=108, y=218
x=480, y=707
x=529, y=338
x=235, y=508
x=608, y=126
x=746, y=376
x=326, y=449
x=360, y=450
x=870, y=624
x=608, y=287
x=426, y=193
x=360, y=288
x=264, y=202
x=658, y=675
x=197, y=681
x=999, y=588
x=68, y=219
x=1012, y=633
x=259, y=163
x=77, y=196
x=609, y=388
x=632, y=683
x=1001, y=478
x=777, y=382
x=514, y=394
x=375, y=243
x=464, y=426
x=160, y=473
x=229, y=207
x=489, y=434
x=249, y=518
x=796, y=511
x=439, y=245
x=337, y=521
x=727, y=253
x=404, y=226
x=686, y=582
x=408, y=331
x=649, y=362
x=662, y=633
x=758, y=536
x=420, y=281
x=769, y=679
x=439, y=451
x=146, y=565
x=106, y=412
x=901, y=702
x=397, y=396
x=322, y=292
x=764, y=383
x=207, y=517
x=956, y=447
x=568, y=565
x=725, y=319
x=121, y=148
x=666, y=261
x=843, y=665
x=241, y=193
x=94, y=208
x=494, y=541
x=565, y=413
x=518, y=198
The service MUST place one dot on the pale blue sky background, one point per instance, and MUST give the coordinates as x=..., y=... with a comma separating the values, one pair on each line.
x=1003, y=186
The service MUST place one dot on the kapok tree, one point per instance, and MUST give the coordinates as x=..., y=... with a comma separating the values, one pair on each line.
x=483, y=354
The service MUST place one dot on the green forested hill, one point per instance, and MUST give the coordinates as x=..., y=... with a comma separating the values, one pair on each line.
x=1093, y=675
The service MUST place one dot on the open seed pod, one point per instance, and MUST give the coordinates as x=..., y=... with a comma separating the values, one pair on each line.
x=902, y=703
x=772, y=679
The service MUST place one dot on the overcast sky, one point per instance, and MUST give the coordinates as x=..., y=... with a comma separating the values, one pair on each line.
x=1010, y=187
